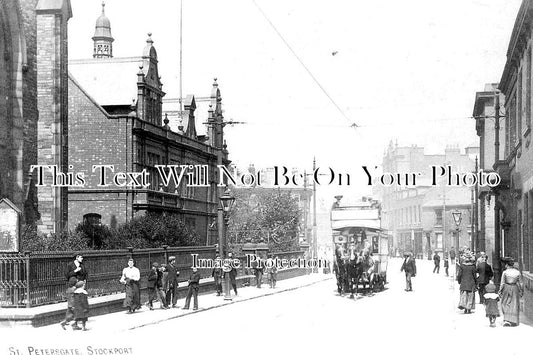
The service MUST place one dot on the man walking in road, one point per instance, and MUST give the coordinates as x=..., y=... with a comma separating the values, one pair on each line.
x=409, y=266
x=173, y=274
x=436, y=260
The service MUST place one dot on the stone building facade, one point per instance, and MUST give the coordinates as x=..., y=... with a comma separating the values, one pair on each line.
x=418, y=214
x=514, y=196
x=484, y=114
x=28, y=29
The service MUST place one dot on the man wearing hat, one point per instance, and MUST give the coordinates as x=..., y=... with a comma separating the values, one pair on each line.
x=409, y=266
x=194, y=285
x=173, y=273
x=152, y=285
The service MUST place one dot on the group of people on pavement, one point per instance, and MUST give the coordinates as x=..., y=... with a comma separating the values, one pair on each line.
x=478, y=275
x=162, y=286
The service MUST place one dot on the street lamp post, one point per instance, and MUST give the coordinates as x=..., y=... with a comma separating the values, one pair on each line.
x=457, y=217
x=227, y=201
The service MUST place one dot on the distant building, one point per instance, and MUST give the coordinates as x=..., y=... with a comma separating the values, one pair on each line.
x=419, y=215
x=116, y=117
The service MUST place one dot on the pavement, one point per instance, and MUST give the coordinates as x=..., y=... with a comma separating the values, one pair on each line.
x=122, y=321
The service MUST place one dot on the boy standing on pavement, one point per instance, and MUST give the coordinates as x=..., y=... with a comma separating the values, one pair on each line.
x=194, y=285
x=271, y=272
x=232, y=275
x=162, y=285
x=152, y=286
x=173, y=274
x=217, y=275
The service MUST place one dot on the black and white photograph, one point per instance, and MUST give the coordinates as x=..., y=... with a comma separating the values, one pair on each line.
x=260, y=177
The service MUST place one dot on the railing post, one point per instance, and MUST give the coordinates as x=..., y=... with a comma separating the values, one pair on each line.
x=165, y=247
x=28, y=289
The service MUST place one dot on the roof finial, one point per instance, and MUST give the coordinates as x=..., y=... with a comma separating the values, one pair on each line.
x=103, y=6
x=149, y=40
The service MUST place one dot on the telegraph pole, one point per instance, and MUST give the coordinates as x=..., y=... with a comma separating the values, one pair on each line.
x=315, y=249
x=306, y=200
x=497, y=231
x=479, y=246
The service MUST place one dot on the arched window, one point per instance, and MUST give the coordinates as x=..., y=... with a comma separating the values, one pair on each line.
x=94, y=219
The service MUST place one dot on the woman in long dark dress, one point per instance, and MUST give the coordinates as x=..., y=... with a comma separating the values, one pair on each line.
x=510, y=292
x=467, y=279
x=130, y=278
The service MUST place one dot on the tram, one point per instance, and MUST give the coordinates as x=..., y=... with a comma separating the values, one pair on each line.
x=361, y=246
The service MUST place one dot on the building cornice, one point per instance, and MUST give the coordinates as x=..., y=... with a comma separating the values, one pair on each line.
x=517, y=44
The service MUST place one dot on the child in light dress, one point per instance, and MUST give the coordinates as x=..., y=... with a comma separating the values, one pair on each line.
x=491, y=303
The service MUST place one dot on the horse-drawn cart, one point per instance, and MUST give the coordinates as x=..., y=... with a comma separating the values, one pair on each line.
x=361, y=247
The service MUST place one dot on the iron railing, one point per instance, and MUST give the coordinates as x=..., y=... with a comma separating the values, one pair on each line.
x=39, y=278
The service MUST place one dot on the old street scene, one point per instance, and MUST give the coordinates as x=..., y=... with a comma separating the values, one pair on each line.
x=255, y=176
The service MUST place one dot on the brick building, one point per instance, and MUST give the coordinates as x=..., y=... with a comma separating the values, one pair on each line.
x=419, y=215
x=116, y=118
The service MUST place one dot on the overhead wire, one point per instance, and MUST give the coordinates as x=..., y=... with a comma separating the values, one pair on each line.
x=285, y=123
x=352, y=124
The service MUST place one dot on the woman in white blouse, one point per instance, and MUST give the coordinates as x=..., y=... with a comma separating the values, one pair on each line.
x=511, y=291
x=130, y=278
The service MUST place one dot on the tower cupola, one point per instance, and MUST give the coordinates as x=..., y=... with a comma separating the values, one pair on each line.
x=103, y=40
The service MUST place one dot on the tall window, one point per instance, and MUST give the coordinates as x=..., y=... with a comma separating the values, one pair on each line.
x=438, y=237
x=528, y=89
x=153, y=159
x=438, y=217
x=510, y=127
x=519, y=106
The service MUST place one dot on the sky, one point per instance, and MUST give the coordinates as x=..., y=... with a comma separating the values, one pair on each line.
x=300, y=73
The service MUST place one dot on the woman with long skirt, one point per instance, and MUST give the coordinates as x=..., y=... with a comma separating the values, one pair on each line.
x=467, y=279
x=130, y=278
x=510, y=292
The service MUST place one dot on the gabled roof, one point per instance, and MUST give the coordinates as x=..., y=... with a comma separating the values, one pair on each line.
x=110, y=81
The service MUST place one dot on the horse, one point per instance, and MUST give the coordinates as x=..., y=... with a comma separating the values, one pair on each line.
x=339, y=267
x=354, y=269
